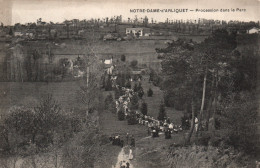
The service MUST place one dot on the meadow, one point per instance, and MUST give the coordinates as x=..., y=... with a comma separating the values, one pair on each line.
x=29, y=94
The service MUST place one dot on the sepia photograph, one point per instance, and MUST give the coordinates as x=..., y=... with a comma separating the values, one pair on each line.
x=129, y=84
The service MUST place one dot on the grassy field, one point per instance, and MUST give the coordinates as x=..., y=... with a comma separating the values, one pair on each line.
x=30, y=93
x=154, y=102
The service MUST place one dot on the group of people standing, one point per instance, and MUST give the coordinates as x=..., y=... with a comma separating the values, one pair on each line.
x=154, y=126
x=118, y=141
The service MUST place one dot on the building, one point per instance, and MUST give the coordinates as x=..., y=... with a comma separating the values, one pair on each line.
x=18, y=34
x=134, y=31
x=253, y=30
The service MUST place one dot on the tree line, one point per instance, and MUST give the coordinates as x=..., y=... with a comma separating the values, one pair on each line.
x=216, y=83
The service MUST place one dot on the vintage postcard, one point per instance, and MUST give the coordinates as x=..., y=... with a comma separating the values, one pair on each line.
x=129, y=83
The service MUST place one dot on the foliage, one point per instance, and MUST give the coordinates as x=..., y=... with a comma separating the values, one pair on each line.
x=238, y=119
x=155, y=78
x=36, y=126
x=144, y=108
x=123, y=58
x=185, y=122
x=120, y=115
x=135, y=88
x=117, y=93
x=162, y=113
x=109, y=101
x=108, y=83
x=134, y=63
x=128, y=84
x=83, y=149
x=131, y=119
x=150, y=92
x=134, y=102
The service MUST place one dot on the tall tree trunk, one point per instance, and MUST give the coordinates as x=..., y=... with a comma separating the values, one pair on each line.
x=210, y=104
x=192, y=122
x=215, y=100
x=202, y=101
x=193, y=114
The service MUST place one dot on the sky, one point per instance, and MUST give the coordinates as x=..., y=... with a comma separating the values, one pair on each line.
x=24, y=11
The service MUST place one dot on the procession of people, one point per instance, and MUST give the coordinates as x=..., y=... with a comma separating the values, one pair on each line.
x=154, y=126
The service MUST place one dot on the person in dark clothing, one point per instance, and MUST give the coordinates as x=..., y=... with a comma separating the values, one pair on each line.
x=122, y=143
x=127, y=165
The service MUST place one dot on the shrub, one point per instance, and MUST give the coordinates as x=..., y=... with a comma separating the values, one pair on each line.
x=123, y=58
x=128, y=84
x=134, y=63
x=150, y=92
x=162, y=114
x=134, y=102
x=238, y=118
x=108, y=84
x=135, y=88
x=185, y=122
x=108, y=101
x=131, y=120
x=120, y=115
x=117, y=93
x=144, y=108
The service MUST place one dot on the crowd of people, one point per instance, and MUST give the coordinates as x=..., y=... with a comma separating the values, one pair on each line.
x=154, y=126
x=120, y=141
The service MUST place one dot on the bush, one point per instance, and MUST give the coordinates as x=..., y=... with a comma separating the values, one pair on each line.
x=108, y=84
x=120, y=115
x=128, y=84
x=109, y=101
x=131, y=120
x=238, y=118
x=110, y=104
x=150, y=92
x=204, y=139
x=37, y=126
x=144, y=108
x=123, y=58
x=185, y=122
x=134, y=102
x=133, y=63
x=135, y=88
x=117, y=93
x=162, y=114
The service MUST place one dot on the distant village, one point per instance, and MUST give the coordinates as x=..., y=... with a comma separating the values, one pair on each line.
x=115, y=28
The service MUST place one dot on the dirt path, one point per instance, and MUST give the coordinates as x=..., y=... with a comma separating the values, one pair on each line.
x=123, y=156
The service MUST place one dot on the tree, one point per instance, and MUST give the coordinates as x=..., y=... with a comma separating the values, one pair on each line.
x=239, y=120
x=108, y=101
x=144, y=108
x=135, y=88
x=133, y=63
x=123, y=58
x=108, y=84
x=150, y=92
x=128, y=84
x=134, y=102
x=162, y=113
x=84, y=148
x=47, y=117
x=120, y=115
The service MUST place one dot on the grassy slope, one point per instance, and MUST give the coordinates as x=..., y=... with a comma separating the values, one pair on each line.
x=30, y=93
x=149, y=152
